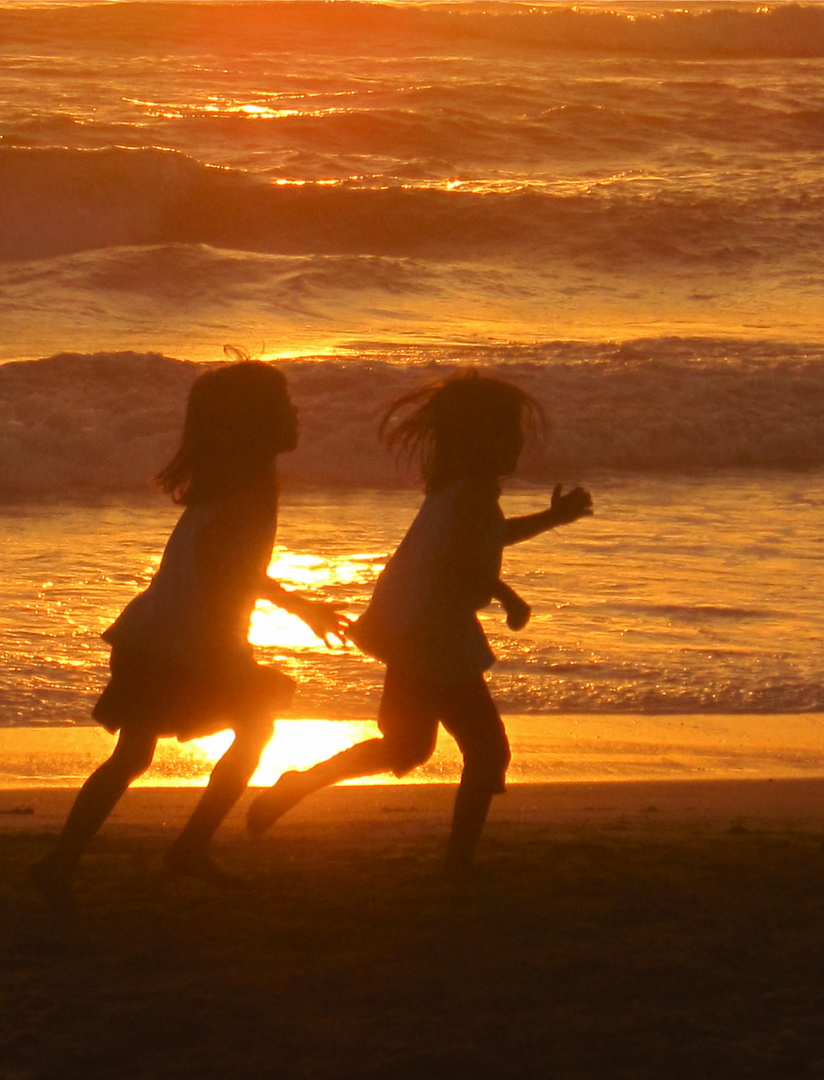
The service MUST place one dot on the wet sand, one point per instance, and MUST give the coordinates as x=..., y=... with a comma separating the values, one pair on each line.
x=623, y=930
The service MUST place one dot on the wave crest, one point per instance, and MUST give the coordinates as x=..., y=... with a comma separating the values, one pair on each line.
x=771, y=30
x=60, y=201
x=108, y=421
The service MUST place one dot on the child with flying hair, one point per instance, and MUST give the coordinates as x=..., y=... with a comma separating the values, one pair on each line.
x=181, y=664
x=466, y=432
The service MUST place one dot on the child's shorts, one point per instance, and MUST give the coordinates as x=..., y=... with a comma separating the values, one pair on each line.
x=167, y=699
x=411, y=709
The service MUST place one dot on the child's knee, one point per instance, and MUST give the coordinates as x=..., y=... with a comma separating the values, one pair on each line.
x=251, y=740
x=257, y=733
x=405, y=756
x=486, y=767
x=132, y=757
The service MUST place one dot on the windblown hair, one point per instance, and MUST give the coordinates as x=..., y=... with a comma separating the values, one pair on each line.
x=231, y=433
x=455, y=424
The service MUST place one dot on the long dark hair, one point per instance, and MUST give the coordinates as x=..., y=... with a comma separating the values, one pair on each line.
x=454, y=424
x=237, y=418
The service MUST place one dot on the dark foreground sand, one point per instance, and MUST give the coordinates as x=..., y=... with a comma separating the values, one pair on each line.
x=635, y=930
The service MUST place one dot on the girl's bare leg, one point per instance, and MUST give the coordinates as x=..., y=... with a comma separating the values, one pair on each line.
x=472, y=803
x=95, y=801
x=230, y=777
x=364, y=759
x=479, y=731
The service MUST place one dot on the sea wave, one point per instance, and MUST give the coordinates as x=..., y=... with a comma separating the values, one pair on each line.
x=59, y=201
x=73, y=424
x=700, y=31
x=445, y=128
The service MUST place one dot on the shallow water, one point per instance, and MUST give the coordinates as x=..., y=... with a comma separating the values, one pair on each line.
x=679, y=596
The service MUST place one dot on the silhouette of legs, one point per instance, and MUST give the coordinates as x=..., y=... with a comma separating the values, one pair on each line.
x=230, y=777
x=366, y=758
x=133, y=754
x=475, y=724
x=409, y=715
x=469, y=816
x=95, y=801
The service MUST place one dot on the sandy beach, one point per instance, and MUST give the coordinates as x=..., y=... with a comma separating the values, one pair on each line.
x=631, y=929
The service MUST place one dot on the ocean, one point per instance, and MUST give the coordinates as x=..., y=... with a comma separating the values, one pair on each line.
x=619, y=206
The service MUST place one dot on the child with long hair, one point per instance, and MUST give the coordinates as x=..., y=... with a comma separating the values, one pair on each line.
x=181, y=664
x=466, y=432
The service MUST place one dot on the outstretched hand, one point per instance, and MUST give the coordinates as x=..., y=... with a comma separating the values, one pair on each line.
x=325, y=620
x=567, y=508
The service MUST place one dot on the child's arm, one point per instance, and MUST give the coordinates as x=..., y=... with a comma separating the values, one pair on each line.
x=517, y=609
x=322, y=619
x=227, y=573
x=562, y=510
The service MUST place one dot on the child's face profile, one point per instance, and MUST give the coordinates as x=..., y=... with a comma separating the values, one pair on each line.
x=505, y=439
x=285, y=425
x=506, y=448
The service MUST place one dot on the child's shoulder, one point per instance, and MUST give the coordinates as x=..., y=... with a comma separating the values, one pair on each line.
x=468, y=488
x=474, y=508
x=239, y=513
x=476, y=495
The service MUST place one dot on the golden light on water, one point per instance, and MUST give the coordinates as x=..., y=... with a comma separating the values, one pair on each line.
x=309, y=575
x=313, y=571
x=271, y=625
x=297, y=744
x=274, y=627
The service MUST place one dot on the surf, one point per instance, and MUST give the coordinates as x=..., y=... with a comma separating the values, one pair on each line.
x=106, y=422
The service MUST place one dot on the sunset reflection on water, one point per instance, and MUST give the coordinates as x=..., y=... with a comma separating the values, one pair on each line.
x=297, y=744
x=313, y=576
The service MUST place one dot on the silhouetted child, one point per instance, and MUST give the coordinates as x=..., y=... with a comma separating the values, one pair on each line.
x=181, y=664
x=466, y=432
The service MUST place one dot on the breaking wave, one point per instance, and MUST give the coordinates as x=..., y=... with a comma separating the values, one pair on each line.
x=108, y=421
x=59, y=201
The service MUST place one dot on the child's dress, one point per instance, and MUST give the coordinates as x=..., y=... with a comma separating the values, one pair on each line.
x=422, y=616
x=181, y=662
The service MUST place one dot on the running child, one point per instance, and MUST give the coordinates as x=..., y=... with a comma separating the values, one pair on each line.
x=181, y=664
x=466, y=432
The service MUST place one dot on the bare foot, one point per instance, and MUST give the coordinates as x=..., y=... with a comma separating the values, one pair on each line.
x=55, y=890
x=200, y=865
x=267, y=807
x=461, y=873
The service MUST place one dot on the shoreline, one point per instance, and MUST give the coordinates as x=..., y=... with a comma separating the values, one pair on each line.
x=546, y=749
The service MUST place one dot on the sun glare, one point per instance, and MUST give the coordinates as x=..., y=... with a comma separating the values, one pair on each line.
x=271, y=625
x=276, y=628
x=297, y=744
x=309, y=574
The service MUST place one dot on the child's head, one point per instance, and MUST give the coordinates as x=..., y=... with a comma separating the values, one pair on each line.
x=467, y=424
x=237, y=419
